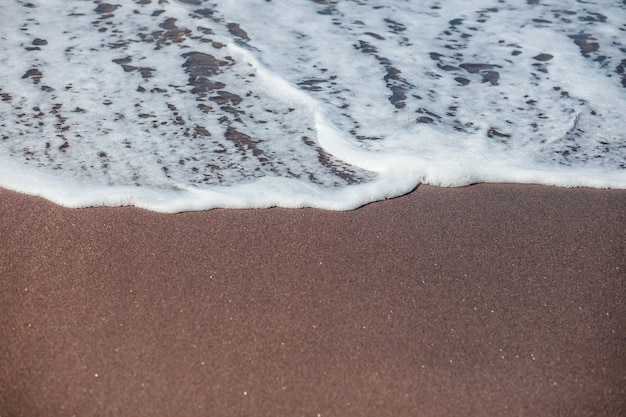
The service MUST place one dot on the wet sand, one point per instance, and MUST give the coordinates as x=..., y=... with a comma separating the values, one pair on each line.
x=489, y=300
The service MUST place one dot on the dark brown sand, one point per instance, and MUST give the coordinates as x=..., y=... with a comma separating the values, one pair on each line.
x=490, y=300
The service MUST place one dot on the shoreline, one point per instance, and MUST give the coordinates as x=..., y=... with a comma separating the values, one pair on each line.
x=493, y=299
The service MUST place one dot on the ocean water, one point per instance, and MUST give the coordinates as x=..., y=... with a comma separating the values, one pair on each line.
x=175, y=105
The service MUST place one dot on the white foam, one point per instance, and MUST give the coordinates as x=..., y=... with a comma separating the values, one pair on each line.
x=193, y=105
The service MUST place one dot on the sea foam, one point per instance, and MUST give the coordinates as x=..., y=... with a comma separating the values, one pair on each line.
x=192, y=105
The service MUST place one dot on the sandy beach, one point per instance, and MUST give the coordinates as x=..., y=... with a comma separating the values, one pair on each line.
x=489, y=300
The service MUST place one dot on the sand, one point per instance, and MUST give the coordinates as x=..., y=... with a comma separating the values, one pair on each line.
x=489, y=300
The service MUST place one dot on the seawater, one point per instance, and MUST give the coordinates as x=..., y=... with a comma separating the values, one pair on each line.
x=175, y=105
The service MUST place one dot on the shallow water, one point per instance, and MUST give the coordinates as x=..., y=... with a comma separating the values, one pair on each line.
x=188, y=104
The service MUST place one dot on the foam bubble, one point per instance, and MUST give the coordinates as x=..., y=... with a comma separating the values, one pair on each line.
x=192, y=105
